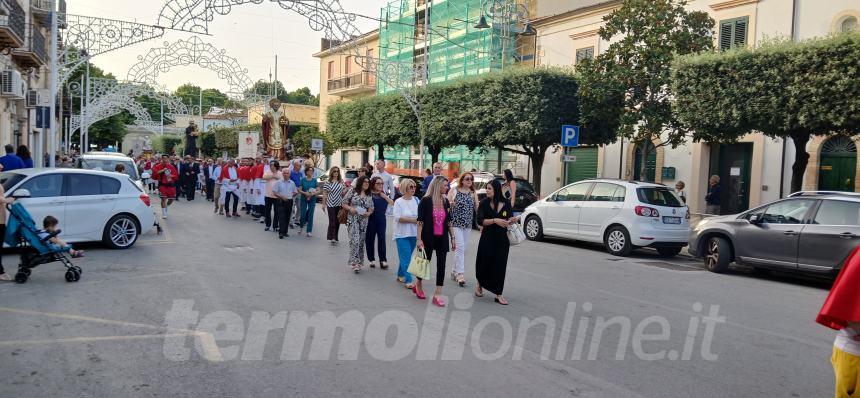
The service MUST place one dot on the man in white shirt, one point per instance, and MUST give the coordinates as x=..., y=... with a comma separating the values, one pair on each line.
x=387, y=179
x=285, y=190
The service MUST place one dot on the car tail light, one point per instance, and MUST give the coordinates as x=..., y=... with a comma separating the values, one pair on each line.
x=145, y=199
x=647, y=211
x=688, y=214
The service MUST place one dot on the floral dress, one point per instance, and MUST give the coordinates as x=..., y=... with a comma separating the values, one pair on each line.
x=356, y=225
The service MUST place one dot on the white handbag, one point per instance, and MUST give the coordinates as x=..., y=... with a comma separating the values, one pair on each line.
x=516, y=234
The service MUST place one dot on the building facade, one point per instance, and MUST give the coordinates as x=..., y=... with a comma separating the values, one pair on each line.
x=755, y=170
x=25, y=27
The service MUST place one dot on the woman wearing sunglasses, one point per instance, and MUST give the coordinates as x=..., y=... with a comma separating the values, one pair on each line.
x=464, y=204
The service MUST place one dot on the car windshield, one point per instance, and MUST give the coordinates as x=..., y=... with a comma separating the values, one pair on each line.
x=10, y=179
x=350, y=174
x=110, y=165
x=659, y=196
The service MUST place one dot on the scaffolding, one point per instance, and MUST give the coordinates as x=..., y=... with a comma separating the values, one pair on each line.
x=456, y=47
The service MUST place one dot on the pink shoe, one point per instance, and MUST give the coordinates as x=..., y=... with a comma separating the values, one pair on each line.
x=418, y=294
x=438, y=301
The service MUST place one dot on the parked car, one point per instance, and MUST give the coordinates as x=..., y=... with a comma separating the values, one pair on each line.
x=809, y=232
x=90, y=205
x=398, y=178
x=623, y=215
x=107, y=161
x=526, y=194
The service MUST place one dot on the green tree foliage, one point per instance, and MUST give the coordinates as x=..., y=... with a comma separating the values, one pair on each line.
x=301, y=96
x=627, y=86
x=782, y=89
x=520, y=110
x=105, y=132
x=302, y=141
x=190, y=95
x=165, y=144
x=208, y=145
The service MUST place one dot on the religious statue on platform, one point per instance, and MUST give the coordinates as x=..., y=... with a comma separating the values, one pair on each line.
x=275, y=125
x=147, y=144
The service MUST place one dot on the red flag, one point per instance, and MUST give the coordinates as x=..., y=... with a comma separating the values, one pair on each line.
x=843, y=302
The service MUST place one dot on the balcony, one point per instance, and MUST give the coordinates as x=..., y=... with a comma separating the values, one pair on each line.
x=41, y=11
x=12, y=25
x=33, y=53
x=352, y=84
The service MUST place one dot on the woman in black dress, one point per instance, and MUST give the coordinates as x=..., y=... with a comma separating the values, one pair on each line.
x=495, y=215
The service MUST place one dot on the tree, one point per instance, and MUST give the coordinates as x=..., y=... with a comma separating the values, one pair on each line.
x=107, y=131
x=782, y=89
x=301, y=96
x=649, y=33
x=190, y=95
x=302, y=142
x=383, y=121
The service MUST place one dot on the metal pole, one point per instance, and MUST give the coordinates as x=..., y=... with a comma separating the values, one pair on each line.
x=162, y=117
x=55, y=76
x=85, y=125
x=81, y=118
x=200, y=110
x=425, y=79
x=276, y=75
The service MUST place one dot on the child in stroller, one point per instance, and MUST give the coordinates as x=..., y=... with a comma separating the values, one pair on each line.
x=48, y=235
x=36, y=245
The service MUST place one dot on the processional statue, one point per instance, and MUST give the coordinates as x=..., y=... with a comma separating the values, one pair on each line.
x=275, y=126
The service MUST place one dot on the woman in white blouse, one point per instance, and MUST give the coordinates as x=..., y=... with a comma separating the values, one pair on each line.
x=406, y=229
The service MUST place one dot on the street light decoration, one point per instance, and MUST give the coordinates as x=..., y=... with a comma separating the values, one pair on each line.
x=109, y=97
x=192, y=51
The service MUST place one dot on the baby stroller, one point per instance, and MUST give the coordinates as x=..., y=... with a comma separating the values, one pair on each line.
x=21, y=232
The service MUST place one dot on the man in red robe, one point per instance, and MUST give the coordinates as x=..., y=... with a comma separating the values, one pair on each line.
x=841, y=311
x=244, y=178
x=167, y=176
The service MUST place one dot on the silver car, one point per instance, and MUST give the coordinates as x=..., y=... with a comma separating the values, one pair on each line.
x=808, y=232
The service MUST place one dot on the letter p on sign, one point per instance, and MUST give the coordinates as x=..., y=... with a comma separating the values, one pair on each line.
x=569, y=136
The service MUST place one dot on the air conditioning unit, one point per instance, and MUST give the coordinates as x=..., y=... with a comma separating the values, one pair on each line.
x=32, y=99
x=11, y=85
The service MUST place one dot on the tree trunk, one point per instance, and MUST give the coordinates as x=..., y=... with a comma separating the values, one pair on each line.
x=643, y=166
x=434, y=154
x=801, y=159
x=537, y=157
x=380, y=153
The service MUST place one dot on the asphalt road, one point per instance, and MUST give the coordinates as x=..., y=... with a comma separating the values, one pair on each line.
x=115, y=333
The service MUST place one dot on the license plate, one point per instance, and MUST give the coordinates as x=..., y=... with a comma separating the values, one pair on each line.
x=671, y=220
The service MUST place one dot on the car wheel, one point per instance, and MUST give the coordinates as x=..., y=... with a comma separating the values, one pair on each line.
x=718, y=255
x=668, y=251
x=534, y=228
x=121, y=232
x=617, y=241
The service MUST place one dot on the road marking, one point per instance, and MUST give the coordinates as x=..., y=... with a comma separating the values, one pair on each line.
x=211, y=351
x=90, y=339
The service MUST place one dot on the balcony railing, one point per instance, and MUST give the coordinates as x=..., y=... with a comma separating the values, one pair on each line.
x=33, y=53
x=13, y=27
x=41, y=10
x=359, y=81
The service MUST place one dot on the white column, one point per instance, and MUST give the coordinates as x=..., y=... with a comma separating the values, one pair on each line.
x=55, y=66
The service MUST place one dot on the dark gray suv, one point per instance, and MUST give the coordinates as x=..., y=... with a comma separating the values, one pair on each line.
x=809, y=232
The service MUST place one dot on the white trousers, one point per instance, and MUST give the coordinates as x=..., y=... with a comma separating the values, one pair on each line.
x=461, y=237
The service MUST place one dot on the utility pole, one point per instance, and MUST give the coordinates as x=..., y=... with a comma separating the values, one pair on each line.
x=81, y=118
x=276, y=76
x=200, y=109
x=162, y=117
x=425, y=79
x=85, y=114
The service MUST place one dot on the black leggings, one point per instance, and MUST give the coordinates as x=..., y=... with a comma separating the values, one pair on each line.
x=441, y=256
x=3, y=234
x=270, y=206
x=227, y=202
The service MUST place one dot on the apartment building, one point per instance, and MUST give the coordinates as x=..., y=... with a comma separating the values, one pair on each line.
x=755, y=170
x=25, y=27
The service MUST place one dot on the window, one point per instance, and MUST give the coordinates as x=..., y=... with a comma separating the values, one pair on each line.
x=45, y=186
x=733, y=32
x=9, y=180
x=787, y=212
x=603, y=192
x=347, y=68
x=619, y=194
x=84, y=184
x=584, y=53
x=848, y=24
x=573, y=193
x=837, y=212
x=110, y=186
x=330, y=70
x=659, y=196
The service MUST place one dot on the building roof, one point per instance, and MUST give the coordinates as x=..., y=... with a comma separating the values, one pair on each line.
x=369, y=36
x=576, y=7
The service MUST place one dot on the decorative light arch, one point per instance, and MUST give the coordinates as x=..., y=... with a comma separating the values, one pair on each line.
x=112, y=97
x=192, y=51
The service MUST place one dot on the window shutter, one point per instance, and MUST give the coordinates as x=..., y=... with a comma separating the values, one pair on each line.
x=584, y=53
x=726, y=35
x=740, y=35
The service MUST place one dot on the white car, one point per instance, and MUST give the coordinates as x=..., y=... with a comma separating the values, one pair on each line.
x=623, y=215
x=107, y=161
x=90, y=205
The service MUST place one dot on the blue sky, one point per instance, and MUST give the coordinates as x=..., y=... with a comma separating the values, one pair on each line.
x=251, y=33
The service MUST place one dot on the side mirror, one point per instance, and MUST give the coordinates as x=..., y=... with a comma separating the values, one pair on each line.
x=145, y=176
x=550, y=198
x=754, y=219
x=21, y=193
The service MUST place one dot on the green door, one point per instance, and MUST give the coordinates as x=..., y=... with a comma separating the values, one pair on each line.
x=838, y=165
x=650, y=163
x=584, y=167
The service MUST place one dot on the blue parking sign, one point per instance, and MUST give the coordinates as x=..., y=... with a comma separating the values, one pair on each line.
x=569, y=136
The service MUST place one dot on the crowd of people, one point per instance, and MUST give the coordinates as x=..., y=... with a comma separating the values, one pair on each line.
x=285, y=197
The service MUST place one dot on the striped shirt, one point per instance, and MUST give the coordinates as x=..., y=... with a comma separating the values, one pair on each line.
x=334, y=193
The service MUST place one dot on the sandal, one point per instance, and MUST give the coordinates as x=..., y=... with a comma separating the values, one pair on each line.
x=4, y=277
x=503, y=301
x=479, y=292
x=401, y=279
x=461, y=279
